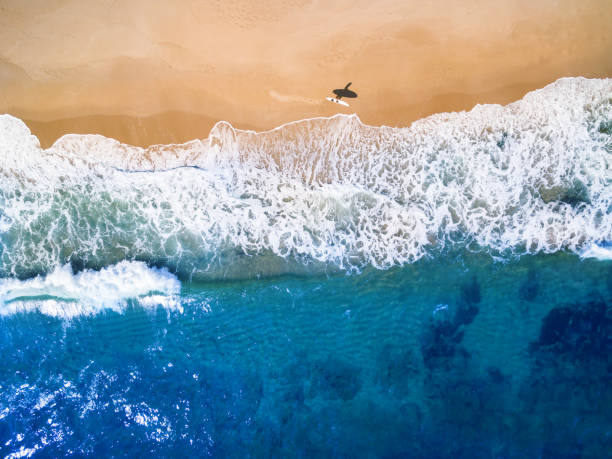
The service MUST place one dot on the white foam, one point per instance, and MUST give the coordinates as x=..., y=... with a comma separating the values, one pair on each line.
x=325, y=192
x=64, y=294
x=601, y=252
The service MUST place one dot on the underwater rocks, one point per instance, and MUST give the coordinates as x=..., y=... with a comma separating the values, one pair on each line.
x=446, y=329
x=470, y=292
x=440, y=343
x=568, y=386
x=581, y=331
x=528, y=290
x=495, y=375
x=335, y=378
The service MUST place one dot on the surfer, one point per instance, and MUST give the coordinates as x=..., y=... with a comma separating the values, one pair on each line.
x=340, y=93
x=346, y=92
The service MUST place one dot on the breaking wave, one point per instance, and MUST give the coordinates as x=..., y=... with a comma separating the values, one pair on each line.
x=317, y=194
x=64, y=294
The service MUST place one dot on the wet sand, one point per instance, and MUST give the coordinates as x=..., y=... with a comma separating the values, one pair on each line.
x=148, y=73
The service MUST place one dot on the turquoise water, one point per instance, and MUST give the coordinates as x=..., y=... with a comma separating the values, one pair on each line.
x=323, y=289
x=438, y=359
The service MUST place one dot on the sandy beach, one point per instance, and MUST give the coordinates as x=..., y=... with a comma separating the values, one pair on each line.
x=162, y=72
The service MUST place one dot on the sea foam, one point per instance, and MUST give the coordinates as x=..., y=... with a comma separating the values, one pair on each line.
x=64, y=294
x=600, y=252
x=324, y=193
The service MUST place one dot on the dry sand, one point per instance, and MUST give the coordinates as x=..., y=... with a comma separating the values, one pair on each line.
x=149, y=72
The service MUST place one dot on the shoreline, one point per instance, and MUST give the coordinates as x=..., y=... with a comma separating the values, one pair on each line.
x=175, y=127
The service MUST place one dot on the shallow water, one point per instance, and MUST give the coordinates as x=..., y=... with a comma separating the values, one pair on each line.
x=324, y=289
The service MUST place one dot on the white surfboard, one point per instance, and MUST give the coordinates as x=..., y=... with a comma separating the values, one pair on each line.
x=337, y=101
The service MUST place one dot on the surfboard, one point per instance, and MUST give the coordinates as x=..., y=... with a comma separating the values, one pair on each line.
x=337, y=101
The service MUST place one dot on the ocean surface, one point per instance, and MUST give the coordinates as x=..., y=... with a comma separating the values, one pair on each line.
x=323, y=289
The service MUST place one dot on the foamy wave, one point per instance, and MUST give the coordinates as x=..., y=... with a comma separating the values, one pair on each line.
x=600, y=252
x=326, y=193
x=64, y=294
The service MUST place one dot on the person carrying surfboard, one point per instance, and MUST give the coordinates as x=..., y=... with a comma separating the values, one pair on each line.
x=340, y=93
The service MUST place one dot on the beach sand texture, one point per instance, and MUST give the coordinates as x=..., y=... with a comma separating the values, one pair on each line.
x=159, y=72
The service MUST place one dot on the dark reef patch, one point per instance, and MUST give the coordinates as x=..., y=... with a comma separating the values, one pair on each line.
x=440, y=343
x=335, y=378
x=570, y=381
x=495, y=375
x=470, y=292
x=582, y=331
x=466, y=313
x=528, y=290
x=447, y=327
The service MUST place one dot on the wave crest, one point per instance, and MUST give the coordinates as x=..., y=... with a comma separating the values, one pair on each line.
x=64, y=294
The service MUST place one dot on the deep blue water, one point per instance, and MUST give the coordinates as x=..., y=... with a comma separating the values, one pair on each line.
x=454, y=357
